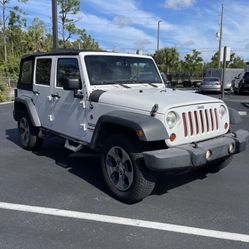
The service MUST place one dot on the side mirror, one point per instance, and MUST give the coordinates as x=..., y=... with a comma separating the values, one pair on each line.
x=71, y=84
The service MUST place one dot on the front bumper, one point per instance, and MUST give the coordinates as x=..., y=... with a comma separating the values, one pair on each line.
x=194, y=155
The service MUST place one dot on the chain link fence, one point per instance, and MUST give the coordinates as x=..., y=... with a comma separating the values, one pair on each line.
x=7, y=88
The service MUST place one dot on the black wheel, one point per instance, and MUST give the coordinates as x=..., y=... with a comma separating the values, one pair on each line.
x=28, y=133
x=219, y=165
x=124, y=172
x=235, y=90
x=240, y=90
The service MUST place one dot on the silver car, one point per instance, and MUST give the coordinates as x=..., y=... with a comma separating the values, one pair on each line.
x=210, y=84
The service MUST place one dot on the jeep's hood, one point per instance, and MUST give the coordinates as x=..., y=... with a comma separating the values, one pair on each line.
x=145, y=99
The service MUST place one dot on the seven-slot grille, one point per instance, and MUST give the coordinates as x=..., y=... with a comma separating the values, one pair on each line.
x=200, y=122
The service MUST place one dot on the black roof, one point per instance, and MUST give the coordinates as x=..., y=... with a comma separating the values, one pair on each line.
x=59, y=51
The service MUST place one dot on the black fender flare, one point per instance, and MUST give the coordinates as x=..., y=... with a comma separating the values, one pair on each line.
x=30, y=107
x=234, y=116
x=152, y=128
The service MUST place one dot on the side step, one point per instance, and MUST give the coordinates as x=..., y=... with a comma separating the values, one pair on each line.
x=74, y=148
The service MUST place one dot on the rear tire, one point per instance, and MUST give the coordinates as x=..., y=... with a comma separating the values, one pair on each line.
x=28, y=133
x=124, y=171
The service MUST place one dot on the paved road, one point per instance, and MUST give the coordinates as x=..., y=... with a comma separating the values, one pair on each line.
x=55, y=178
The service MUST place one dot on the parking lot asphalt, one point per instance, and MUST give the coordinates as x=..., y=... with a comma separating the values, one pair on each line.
x=55, y=178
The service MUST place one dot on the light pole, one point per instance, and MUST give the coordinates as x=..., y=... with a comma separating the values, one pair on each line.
x=158, y=34
x=220, y=37
x=55, y=24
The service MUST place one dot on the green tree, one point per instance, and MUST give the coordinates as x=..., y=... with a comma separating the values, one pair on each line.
x=5, y=5
x=167, y=59
x=16, y=36
x=68, y=8
x=236, y=62
x=85, y=41
x=193, y=63
x=35, y=36
x=214, y=61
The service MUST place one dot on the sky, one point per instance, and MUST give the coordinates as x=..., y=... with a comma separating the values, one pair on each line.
x=128, y=25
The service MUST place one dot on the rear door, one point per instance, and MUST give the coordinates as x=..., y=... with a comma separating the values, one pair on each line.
x=42, y=89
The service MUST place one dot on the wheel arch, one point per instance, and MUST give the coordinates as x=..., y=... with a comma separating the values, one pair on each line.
x=144, y=128
x=26, y=104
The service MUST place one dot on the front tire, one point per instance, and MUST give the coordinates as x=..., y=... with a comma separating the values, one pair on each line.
x=124, y=171
x=28, y=133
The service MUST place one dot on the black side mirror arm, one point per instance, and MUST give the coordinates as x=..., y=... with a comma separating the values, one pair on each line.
x=78, y=94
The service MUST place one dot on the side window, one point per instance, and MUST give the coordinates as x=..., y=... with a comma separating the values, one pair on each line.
x=67, y=67
x=26, y=74
x=43, y=71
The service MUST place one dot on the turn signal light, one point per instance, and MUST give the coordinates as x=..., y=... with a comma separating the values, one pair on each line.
x=140, y=133
x=226, y=125
x=172, y=137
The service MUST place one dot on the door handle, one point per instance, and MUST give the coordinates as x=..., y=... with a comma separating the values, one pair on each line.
x=57, y=96
x=36, y=92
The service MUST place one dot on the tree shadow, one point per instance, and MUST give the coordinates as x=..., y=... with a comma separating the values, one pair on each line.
x=86, y=165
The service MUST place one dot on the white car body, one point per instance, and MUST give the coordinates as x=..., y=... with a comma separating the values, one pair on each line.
x=118, y=105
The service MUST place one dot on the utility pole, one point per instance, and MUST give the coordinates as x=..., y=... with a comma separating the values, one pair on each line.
x=220, y=35
x=4, y=2
x=223, y=72
x=55, y=24
x=158, y=34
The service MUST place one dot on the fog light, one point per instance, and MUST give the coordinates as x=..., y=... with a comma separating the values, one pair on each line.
x=208, y=154
x=231, y=148
x=226, y=126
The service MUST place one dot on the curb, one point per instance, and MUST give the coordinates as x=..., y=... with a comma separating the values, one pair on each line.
x=5, y=103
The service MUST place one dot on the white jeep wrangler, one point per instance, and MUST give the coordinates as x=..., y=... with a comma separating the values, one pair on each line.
x=117, y=104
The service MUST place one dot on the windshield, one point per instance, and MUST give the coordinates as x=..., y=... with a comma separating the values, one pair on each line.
x=104, y=70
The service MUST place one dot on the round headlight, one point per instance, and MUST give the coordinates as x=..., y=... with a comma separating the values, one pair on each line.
x=222, y=111
x=171, y=119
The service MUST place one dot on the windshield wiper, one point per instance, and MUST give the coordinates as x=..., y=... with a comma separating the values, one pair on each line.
x=110, y=82
x=151, y=84
x=121, y=84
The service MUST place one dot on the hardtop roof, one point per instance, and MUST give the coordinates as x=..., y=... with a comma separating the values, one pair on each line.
x=60, y=51
x=73, y=52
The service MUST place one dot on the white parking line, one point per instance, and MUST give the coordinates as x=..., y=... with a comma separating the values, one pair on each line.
x=127, y=222
x=241, y=113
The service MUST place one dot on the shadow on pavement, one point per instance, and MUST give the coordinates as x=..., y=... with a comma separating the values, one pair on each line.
x=166, y=182
x=86, y=165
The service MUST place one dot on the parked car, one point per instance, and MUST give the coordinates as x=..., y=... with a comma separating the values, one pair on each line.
x=210, y=84
x=241, y=83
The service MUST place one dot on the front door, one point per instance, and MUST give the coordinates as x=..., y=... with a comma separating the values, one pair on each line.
x=68, y=111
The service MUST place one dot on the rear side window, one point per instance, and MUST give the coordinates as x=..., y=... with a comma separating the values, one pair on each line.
x=43, y=71
x=67, y=68
x=26, y=75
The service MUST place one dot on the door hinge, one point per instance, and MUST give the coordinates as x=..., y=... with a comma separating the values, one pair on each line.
x=83, y=127
x=83, y=104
